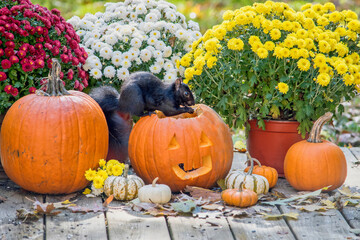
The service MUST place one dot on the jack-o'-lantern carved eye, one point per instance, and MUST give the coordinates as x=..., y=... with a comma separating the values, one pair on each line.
x=197, y=167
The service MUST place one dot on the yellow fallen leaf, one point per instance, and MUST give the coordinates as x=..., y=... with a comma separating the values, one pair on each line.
x=328, y=203
x=290, y=215
x=347, y=192
x=65, y=202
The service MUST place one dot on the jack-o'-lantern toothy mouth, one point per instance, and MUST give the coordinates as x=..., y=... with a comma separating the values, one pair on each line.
x=194, y=172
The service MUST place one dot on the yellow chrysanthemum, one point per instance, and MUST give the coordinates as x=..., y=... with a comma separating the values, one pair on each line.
x=302, y=33
x=323, y=79
x=189, y=73
x=117, y=170
x=235, y=44
x=348, y=79
x=275, y=34
x=103, y=173
x=354, y=25
x=220, y=32
x=256, y=45
x=294, y=53
x=185, y=60
x=289, y=42
x=329, y=6
x=242, y=19
x=102, y=163
x=211, y=62
x=341, y=49
x=308, y=23
x=317, y=8
x=341, y=68
x=86, y=191
x=357, y=78
x=98, y=182
x=323, y=21
x=212, y=45
x=285, y=52
x=109, y=168
x=283, y=87
x=306, y=6
x=262, y=53
x=253, y=39
x=324, y=46
x=335, y=17
x=309, y=13
x=198, y=52
x=303, y=64
x=301, y=43
x=199, y=62
x=303, y=53
x=228, y=15
x=309, y=43
x=324, y=68
x=319, y=60
x=287, y=26
x=90, y=174
x=355, y=56
x=269, y=45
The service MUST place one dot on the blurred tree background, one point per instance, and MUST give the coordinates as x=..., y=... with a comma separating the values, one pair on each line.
x=344, y=131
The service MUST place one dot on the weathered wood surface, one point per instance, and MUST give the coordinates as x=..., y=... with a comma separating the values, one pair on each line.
x=121, y=223
x=314, y=225
x=11, y=227
x=76, y=225
x=135, y=226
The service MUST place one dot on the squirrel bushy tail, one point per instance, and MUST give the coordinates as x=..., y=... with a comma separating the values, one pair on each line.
x=119, y=126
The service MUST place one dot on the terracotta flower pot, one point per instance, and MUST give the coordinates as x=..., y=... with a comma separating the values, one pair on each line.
x=269, y=146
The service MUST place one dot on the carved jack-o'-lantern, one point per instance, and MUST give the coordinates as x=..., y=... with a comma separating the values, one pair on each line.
x=187, y=149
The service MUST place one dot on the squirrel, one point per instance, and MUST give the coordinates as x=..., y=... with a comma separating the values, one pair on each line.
x=141, y=94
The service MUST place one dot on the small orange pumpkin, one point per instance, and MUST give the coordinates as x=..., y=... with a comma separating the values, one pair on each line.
x=239, y=197
x=268, y=172
x=314, y=163
x=188, y=149
x=49, y=139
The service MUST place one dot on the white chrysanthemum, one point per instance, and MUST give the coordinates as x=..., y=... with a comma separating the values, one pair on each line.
x=96, y=191
x=106, y=53
x=150, y=48
x=141, y=9
x=126, y=55
x=175, y=58
x=80, y=33
x=89, y=51
x=160, y=25
x=90, y=17
x=193, y=25
x=181, y=34
x=126, y=63
x=168, y=66
x=155, y=69
x=74, y=21
x=171, y=27
x=167, y=51
x=155, y=34
x=87, y=66
x=133, y=16
x=171, y=15
x=109, y=72
x=125, y=31
x=99, y=14
x=111, y=39
x=188, y=46
x=160, y=62
x=122, y=73
x=116, y=60
x=134, y=53
x=160, y=45
x=138, y=61
x=136, y=42
x=145, y=55
x=84, y=24
x=169, y=77
x=152, y=41
x=157, y=54
x=151, y=17
x=196, y=35
x=96, y=73
x=156, y=12
x=117, y=53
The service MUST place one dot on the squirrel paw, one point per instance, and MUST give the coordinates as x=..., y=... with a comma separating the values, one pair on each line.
x=191, y=110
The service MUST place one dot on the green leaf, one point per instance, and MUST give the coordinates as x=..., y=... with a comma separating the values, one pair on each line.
x=184, y=207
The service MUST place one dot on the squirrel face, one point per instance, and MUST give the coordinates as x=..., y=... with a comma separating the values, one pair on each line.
x=183, y=91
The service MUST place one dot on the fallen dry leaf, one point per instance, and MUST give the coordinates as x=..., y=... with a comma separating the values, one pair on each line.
x=212, y=207
x=206, y=194
x=309, y=208
x=26, y=215
x=291, y=215
x=347, y=192
x=221, y=184
x=45, y=208
x=108, y=201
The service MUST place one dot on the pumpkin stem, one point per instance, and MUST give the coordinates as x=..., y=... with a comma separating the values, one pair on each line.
x=241, y=188
x=316, y=129
x=251, y=163
x=55, y=86
x=154, y=181
x=126, y=170
x=255, y=160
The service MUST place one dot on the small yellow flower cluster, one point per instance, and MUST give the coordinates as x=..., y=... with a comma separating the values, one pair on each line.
x=98, y=177
x=320, y=39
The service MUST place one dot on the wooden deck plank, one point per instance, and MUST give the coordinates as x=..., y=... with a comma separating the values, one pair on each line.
x=134, y=225
x=353, y=173
x=259, y=228
x=197, y=229
x=352, y=214
x=68, y=225
x=314, y=225
x=10, y=226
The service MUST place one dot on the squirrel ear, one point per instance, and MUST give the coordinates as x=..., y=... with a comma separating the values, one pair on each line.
x=178, y=82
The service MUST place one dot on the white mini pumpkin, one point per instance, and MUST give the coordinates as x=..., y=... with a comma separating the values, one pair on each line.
x=123, y=188
x=155, y=193
x=254, y=182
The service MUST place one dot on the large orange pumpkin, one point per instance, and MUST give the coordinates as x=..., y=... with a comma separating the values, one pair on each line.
x=314, y=163
x=187, y=149
x=49, y=139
